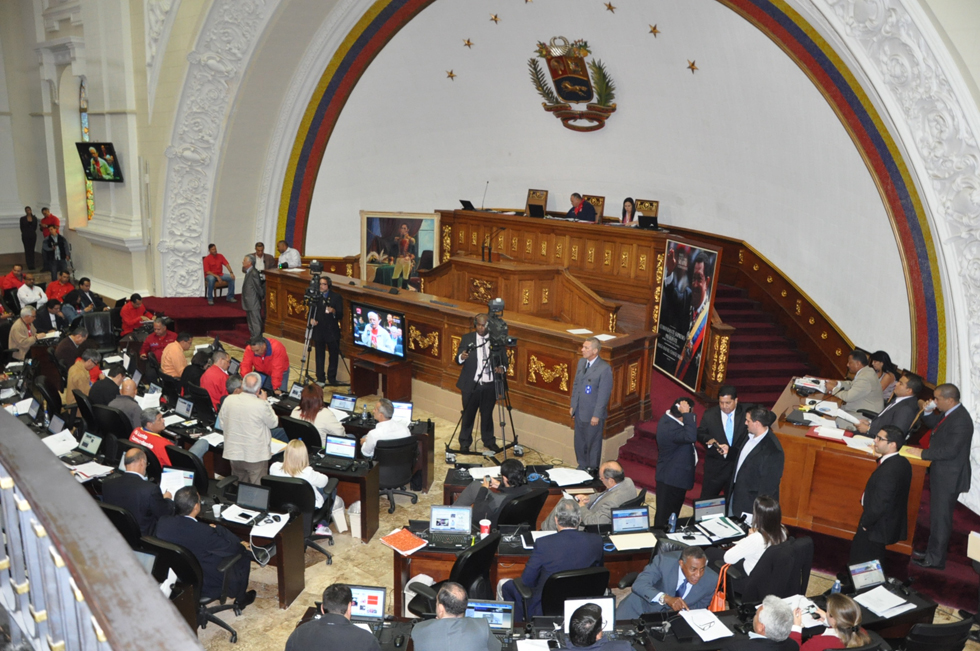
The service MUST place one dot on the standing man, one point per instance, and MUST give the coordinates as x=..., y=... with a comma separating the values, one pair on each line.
x=901, y=411
x=248, y=419
x=672, y=582
x=268, y=357
x=215, y=377
x=91, y=302
x=157, y=340
x=48, y=221
x=863, y=392
x=476, y=383
x=172, y=359
x=885, y=500
x=54, y=251
x=214, y=266
x=131, y=491
x=253, y=296
x=450, y=629
x=759, y=466
x=326, y=329
x=332, y=630
x=289, y=257
x=949, y=474
x=722, y=430
x=406, y=251
x=28, y=235
x=590, y=399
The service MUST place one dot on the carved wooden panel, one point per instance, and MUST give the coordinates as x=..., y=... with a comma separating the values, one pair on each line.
x=548, y=372
x=454, y=340
x=422, y=337
x=294, y=304
x=482, y=291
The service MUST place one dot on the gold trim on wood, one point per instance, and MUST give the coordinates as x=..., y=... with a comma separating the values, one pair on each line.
x=783, y=293
x=415, y=338
x=823, y=335
x=799, y=306
x=481, y=291
x=526, y=296
x=812, y=320
x=527, y=245
x=769, y=279
x=293, y=306
x=591, y=257
x=634, y=374
x=462, y=236
x=544, y=295
x=741, y=256
x=612, y=322
x=575, y=252
x=755, y=267
x=719, y=360
x=510, y=362
x=624, y=259
x=350, y=267
x=473, y=238
x=838, y=352
x=447, y=241
x=557, y=249
x=454, y=344
x=643, y=262
x=559, y=371
x=606, y=258
x=513, y=243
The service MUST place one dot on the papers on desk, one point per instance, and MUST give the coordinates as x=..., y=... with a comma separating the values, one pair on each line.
x=269, y=529
x=22, y=407
x=830, y=433
x=126, y=360
x=480, y=473
x=627, y=541
x=883, y=602
x=152, y=401
x=605, y=337
x=235, y=513
x=706, y=624
x=860, y=443
x=579, y=331
x=277, y=446
x=7, y=393
x=819, y=421
x=827, y=407
x=532, y=645
x=86, y=471
x=214, y=438
x=54, y=334
x=849, y=417
x=14, y=367
x=534, y=538
x=172, y=480
x=172, y=419
x=568, y=476
x=112, y=359
x=804, y=604
x=61, y=443
x=811, y=383
x=720, y=528
x=695, y=538
x=341, y=415
x=296, y=270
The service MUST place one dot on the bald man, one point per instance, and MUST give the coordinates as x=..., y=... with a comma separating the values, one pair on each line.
x=126, y=402
x=597, y=508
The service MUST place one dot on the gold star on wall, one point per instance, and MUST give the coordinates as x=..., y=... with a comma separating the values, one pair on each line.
x=610, y=7
x=494, y=18
x=468, y=43
x=691, y=66
x=450, y=75
x=654, y=30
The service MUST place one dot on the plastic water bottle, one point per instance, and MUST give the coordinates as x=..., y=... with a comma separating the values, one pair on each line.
x=672, y=523
x=364, y=414
x=836, y=588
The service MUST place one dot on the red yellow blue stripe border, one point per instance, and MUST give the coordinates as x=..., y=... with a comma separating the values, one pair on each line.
x=788, y=30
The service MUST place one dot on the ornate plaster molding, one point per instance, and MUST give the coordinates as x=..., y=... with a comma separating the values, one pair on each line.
x=58, y=11
x=69, y=50
x=158, y=19
x=220, y=57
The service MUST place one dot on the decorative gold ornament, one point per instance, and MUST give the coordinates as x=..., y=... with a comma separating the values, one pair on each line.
x=544, y=295
x=634, y=374
x=575, y=252
x=559, y=371
x=557, y=249
x=415, y=338
x=544, y=248
x=454, y=344
x=525, y=297
x=450, y=75
x=468, y=43
x=494, y=18
x=783, y=293
x=447, y=241
x=481, y=291
x=691, y=66
x=654, y=30
x=513, y=243
x=350, y=270
x=643, y=262
x=610, y=8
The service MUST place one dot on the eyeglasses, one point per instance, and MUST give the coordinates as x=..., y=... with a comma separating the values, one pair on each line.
x=881, y=438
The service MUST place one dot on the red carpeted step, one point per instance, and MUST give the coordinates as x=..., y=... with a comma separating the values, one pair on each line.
x=775, y=354
x=235, y=337
x=787, y=367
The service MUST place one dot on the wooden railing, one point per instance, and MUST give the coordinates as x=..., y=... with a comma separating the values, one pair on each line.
x=348, y=265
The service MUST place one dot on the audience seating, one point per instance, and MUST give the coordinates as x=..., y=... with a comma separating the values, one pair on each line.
x=124, y=522
x=523, y=510
x=297, y=428
x=471, y=570
x=397, y=460
x=938, y=637
x=568, y=584
x=112, y=421
x=153, y=468
x=296, y=496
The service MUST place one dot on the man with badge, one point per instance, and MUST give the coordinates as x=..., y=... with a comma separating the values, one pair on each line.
x=590, y=398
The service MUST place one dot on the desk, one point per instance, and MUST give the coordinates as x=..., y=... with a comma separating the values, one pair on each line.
x=396, y=376
x=359, y=485
x=823, y=480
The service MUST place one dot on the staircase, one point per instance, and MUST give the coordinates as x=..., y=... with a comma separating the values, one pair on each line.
x=239, y=336
x=761, y=361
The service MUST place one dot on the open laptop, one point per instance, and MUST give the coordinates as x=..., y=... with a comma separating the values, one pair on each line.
x=137, y=376
x=367, y=607
x=295, y=394
x=87, y=450
x=867, y=575
x=451, y=526
x=535, y=210
x=342, y=405
x=403, y=412
x=630, y=520
x=251, y=505
x=182, y=412
x=648, y=223
x=338, y=453
x=154, y=388
x=713, y=508
x=467, y=204
x=57, y=425
x=607, y=604
x=30, y=417
x=499, y=614
x=233, y=366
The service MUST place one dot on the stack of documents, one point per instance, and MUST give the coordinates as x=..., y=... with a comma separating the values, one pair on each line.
x=20, y=407
x=480, y=473
x=568, y=476
x=860, y=443
x=706, y=624
x=152, y=401
x=61, y=443
x=698, y=539
x=819, y=421
x=91, y=470
x=804, y=604
x=830, y=433
x=883, y=602
x=720, y=528
x=214, y=438
x=626, y=541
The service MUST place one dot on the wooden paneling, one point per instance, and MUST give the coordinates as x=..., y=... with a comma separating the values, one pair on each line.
x=349, y=265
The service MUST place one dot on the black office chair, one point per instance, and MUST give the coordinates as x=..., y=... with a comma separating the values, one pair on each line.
x=203, y=407
x=171, y=388
x=471, y=570
x=779, y=572
x=397, y=460
x=183, y=460
x=297, y=428
x=523, y=510
x=296, y=497
x=188, y=571
x=124, y=522
x=11, y=302
x=52, y=402
x=568, y=584
x=112, y=421
x=637, y=501
x=60, y=365
x=85, y=411
x=938, y=637
x=153, y=468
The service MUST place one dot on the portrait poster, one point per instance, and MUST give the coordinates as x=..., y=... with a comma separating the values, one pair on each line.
x=686, y=296
x=396, y=246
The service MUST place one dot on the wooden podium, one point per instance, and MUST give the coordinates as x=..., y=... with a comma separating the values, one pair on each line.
x=396, y=376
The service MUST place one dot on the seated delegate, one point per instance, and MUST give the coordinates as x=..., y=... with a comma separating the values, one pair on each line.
x=581, y=210
x=672, y=582
x=771, y=628
x=597, y=508
x=585, y=631
x=296, y=463
x=489, y=496
x=843, y=620
x=767, y=530
x=451, y=629
x=332, y=630
x=385, y=430
x=311, y=410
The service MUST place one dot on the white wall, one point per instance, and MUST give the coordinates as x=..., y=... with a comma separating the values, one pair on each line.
x=745, y=147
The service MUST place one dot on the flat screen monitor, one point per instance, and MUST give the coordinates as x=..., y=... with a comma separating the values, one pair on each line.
x=367, y=603
x=630, y=520
x=450, y=519
x=34, y=409
x=339, y=446
x=100, y=162
x=713, y=508
x=90, y=443
x=403, y=412
x=867, y=575
x=378, y=329
x=607, y=604
x=185, y=407
x=233, y=366
x=499, y=614
x=343, y=402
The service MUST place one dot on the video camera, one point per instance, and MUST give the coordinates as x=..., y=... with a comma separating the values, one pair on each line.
x=497, y=327
x=313, y=291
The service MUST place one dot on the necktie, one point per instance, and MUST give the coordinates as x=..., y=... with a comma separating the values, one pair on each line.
x=681, y=589
x=729, y=428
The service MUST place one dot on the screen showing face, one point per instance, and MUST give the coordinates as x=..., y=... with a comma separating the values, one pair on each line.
x=379, y=329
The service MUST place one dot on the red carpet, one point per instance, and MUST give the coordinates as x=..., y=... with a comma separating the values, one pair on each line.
x=195, y=316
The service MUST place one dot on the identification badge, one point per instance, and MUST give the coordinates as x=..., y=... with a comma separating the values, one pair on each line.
x=588, y=389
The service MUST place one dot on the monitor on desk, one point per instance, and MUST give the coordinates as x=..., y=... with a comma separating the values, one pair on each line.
x=154, y=388
x=535, y=210
x=340, y=446
x=343, y=403
x=867, y=575
x=378, y=329
x=648, y=223
x=403, y=412
x=367, y=604
x=630, y=520
x=451, y=519
x=34, y=409
x=184, y=407
x=607, y=604
x=713, y=508
x=499, y=614
x=467, y=204
x=233, y=366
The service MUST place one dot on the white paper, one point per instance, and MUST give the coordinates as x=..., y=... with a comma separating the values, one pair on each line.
x=172, y=419
x=801, y=602
x=819, y=421
x=152, y=401
x=480, y=473
x=86, y=471
x=827, y=407
x=22, y=407
x=49, y=335
x=201, y=347
x=112, y=359
x=277, y=446
x=850, y=418
x=625, y=541
x=214, y=438
x=271, y=529
x=535, y=535
x=830, y=433
x=61, y=443
x=172, y=480
x=235, y=513
x=862, y=443
x=706, y=624
x=126, y=359
x=532, y=645
x=579, y=331
x=605, y=337
x=14, y=367
x=897, y=610
x=879, y=600
x=568, y=476
x=697, y=539
x=7, y=393
x=720, y=528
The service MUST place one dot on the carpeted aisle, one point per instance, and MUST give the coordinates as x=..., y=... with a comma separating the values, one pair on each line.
x=194, y=315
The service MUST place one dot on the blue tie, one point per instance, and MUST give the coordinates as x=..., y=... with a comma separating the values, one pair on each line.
x=729, y=427
x=681, y=589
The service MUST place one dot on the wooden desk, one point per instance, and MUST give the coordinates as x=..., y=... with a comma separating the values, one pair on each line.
x=360, y=485
x=396, y=376
x=823, y=480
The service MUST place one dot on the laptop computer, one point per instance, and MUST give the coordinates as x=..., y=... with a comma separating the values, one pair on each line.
x=867, y=575
x=648, y=223
x=607, y=604
x=233, y=366
x=403, y=412
x=499, y=614
x=342, y=405
x=467, y=205
x=87, y=450
x=535, y=210
x=367, y=607
x=182, y=412
x=154, y=388
x=338, y=453
x=137, y=376
x=713, y=508
x=56, y=425
x=251, y=505
x=451, y=526
x=295, y=394
x=630, y=520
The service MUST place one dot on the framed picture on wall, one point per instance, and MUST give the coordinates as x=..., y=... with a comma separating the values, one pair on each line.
x=395, y=246
x=687, y=293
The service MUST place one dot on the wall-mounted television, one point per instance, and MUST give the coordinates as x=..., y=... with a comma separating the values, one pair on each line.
x=100, y=162
x=378, y=329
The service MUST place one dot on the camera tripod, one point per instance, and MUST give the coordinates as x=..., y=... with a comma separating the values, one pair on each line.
x=312, y=300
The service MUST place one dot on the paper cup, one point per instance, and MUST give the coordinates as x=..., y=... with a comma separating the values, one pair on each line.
x=217, y=510
x=484, y=527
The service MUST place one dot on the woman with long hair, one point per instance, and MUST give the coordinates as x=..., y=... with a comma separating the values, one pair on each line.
x=296, y=463
x=881, y=362
x=311, y=410
x=767, y=530
x=843, y=620
x=629, y=211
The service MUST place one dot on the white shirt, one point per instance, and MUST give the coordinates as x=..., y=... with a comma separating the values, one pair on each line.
x=747, y=448
x=748, y=550
x=482, y=350
x=259, y=262
x=30, y=295
x=291, y=257
x=313, y=478
x=680, y=579
x=385, y=430
x=325, y=422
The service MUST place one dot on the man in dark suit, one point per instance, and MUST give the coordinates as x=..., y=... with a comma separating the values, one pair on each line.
x=326, y=330
x=581, y=210
x=476, y=383
x=758, y=465
x=772, y=624
x=332, y=630
x=949, y=474
x=722, y=432
x=253, y=297
x=900, y=411
x=451, y=629
x=569, y=549
x=209, y=545
x=885, y=500
x=590, y=400
x=50, y=317
x=672, y=582
x=131, y=491
x=106, y=390
x=91, y=302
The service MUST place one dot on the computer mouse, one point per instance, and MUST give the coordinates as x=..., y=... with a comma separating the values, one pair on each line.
x=399, y=641
x=689, y=536
x=278, y=518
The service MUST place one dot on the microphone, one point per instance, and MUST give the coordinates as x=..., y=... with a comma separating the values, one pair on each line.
x=485, y=188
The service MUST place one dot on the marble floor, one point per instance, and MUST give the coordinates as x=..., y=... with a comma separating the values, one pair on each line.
x=264, y=626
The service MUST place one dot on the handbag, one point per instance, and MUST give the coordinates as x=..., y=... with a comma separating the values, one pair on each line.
x=718, y=599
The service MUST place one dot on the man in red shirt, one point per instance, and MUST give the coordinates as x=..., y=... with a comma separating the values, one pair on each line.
x=14, y=279
x=214, y=265
x=157, y=340
x=215, y=378
x=149, y=435
x=267, y=356
x=133, y=313
x=47, y=221
x=60, y=287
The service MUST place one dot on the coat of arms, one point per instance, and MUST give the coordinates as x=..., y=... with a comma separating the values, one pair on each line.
x=575, y=81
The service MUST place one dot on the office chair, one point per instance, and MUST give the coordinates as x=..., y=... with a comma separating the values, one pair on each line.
x=397, y=460
x=6, y=355
x=203, y=407
x=58, y=364
x=112, y=421
x=297, y=428
x=206, y=486
x=779, y=572
x=568, y=584
x=938, y=637
x=471, y=570
x=52, y=401
x=124, y=522
x=153, y=468
x=636, y=502
x=522, y=510
x=189, y=572
x=171, y=388
x=663, y=546
x=295, y=496
x=84, y=406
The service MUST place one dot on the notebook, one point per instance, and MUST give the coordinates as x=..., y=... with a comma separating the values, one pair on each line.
x=607, y=604
x=338, y=453
x=367, y=607
x=630, y=520
x=499, y=614
x=713, y=508
x=450, y=526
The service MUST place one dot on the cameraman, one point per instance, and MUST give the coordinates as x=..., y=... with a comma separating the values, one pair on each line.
x=477, y=385
x=326, y=329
